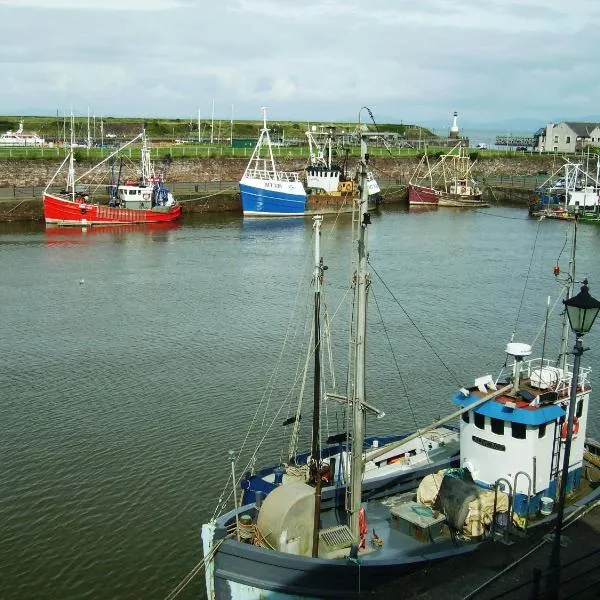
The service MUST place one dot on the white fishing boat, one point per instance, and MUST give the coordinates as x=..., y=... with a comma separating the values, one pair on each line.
x=575, y=186
x=267, y=191
x=325, y=177
x=516, y=430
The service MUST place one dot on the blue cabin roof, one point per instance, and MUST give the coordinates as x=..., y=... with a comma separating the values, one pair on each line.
x=498, y=410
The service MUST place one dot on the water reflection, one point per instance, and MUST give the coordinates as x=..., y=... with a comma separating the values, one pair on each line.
x=273, y=226
x=56, y=235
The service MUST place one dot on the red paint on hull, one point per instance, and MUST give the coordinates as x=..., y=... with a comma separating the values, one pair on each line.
x=419, y=195
x=63, y=211
x=423, y=196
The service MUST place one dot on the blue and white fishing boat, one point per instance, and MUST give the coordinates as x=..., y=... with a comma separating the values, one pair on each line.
x=265, y=191
x=295, y=542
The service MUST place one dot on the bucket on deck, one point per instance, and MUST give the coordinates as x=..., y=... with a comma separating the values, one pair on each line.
x=547, y=505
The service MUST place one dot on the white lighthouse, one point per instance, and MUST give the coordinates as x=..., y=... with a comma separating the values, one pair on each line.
x=454, y=128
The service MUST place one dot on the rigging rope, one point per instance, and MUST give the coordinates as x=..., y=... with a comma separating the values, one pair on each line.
x=224, y=499
x=188, y=578
x=537, y=231
x=404, y=387
x=452, y=373
x=264, y=401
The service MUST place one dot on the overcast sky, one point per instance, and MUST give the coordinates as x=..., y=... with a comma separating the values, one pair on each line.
x=410, y=61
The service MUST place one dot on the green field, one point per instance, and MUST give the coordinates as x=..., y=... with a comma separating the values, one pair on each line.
x=180, y=138
x=124, y=128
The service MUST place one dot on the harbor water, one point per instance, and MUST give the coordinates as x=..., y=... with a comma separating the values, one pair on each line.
x=133, y=359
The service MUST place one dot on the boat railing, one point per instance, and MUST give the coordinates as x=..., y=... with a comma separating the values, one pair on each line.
x=268, y=175
x=559, y=380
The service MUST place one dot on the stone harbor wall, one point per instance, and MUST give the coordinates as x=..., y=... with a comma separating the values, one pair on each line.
x=23, y=173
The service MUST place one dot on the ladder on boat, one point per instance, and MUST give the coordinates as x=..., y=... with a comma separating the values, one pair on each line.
x=556, y=446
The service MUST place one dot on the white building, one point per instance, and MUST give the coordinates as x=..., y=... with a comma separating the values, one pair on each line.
x=568, y=136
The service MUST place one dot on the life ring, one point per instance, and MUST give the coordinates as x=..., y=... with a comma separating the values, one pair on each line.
x=565, y=425
x=146, y=196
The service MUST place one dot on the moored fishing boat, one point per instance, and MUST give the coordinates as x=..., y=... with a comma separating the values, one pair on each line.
x=266, y=191
x=140, y=200
x=326, y=179
x=573, y=188
x=515, y=432
x=447, y=182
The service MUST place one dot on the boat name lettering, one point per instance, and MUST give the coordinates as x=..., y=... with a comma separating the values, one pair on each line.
x=488, y=444
x=272, y=185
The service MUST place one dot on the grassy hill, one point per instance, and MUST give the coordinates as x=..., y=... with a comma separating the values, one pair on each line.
x=57, y=128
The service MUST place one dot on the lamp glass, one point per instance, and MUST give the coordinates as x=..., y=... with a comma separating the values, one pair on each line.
x=582, y=310
x=581, y=319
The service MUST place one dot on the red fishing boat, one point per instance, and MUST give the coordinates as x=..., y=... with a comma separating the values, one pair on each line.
x=448, y=182
x=142, y=200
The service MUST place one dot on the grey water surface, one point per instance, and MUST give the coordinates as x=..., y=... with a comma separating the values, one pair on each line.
x=133, y=359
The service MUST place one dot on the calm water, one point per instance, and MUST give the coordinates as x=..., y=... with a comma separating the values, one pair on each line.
x=132, y=360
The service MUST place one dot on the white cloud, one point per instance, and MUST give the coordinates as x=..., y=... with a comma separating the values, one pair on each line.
x=316, y=59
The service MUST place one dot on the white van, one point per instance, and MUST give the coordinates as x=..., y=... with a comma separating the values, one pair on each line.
x=482, y=146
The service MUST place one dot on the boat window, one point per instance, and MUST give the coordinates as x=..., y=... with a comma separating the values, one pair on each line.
x=465, y=417
x=579, y=411
x=542, y=430
x=479, y=421
x=497, y=426
x=519, y=431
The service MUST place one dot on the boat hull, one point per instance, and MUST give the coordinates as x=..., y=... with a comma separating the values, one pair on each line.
x=239, y=570
x=245, y=571
x=419, y=195
x=263, y=198
x=64, y=211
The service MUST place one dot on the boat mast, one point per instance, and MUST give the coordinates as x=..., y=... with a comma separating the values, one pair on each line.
x=71, y=171
x=265, y=132
x=315, y=457
x=146, y=163
x=362, y=282
x=257, y=162
x=568, y=293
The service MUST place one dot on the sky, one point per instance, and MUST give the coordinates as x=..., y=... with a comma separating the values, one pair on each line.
x=497, y=62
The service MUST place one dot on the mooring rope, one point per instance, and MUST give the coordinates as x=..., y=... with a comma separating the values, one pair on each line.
x=197, y=568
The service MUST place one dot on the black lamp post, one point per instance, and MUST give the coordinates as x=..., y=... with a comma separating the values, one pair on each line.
x=582, y=311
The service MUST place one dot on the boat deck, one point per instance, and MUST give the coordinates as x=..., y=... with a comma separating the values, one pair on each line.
x=387, y=538
x=512, y=571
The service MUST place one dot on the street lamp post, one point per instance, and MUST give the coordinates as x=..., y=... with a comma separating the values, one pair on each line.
x=582, y=311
